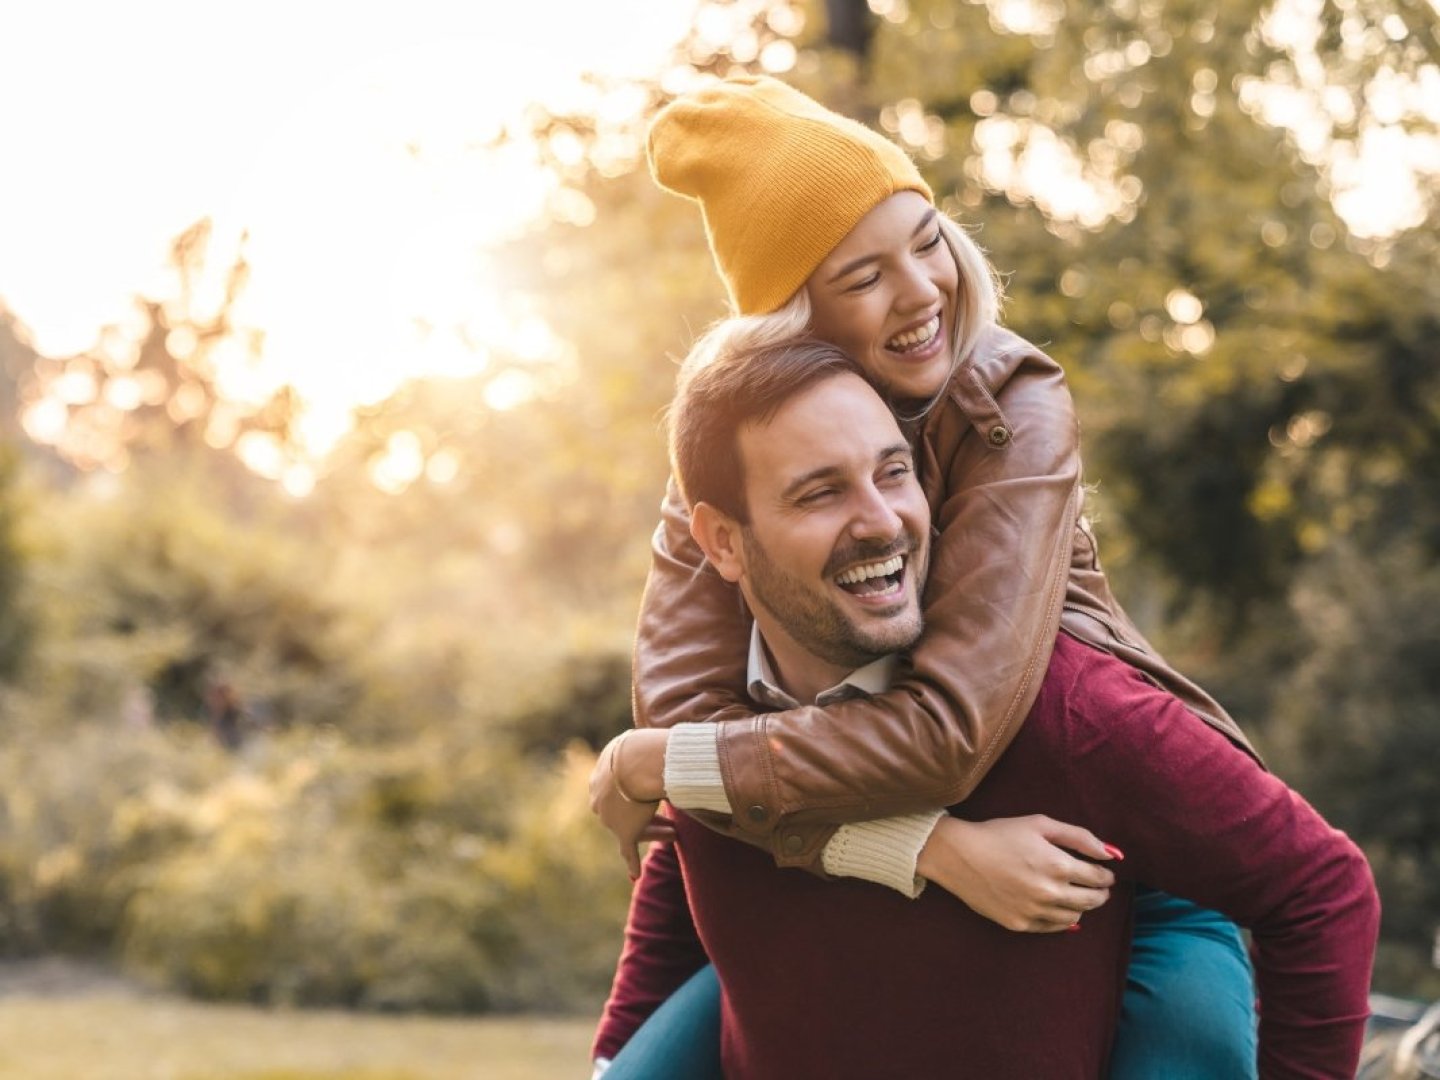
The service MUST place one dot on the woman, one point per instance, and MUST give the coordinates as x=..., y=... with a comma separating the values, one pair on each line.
x=819, y=225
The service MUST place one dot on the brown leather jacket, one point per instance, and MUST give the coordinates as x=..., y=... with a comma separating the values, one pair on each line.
x=1013, y=562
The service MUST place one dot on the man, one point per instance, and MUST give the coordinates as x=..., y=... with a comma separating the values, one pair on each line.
x=802, y=491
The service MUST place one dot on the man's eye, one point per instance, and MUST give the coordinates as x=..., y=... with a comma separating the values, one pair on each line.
x=813, y=498
x=896, y=472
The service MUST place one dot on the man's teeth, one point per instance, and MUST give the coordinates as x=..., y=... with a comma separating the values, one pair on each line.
x=912, y=338
x=855, y=575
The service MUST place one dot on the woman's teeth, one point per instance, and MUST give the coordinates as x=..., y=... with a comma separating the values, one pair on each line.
x=914, y=338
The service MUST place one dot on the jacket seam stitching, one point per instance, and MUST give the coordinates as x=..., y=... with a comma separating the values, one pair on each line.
x=1057, y=584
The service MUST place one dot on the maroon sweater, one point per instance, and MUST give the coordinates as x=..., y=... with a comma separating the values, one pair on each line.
x=847, y=979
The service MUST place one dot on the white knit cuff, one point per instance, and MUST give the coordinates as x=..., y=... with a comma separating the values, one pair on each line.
x=885, y=851
x=693, y=780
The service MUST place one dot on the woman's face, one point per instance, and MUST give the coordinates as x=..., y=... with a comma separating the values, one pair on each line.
x=887, y=296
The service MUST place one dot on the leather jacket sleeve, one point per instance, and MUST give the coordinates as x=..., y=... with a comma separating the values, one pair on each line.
x=999, y=459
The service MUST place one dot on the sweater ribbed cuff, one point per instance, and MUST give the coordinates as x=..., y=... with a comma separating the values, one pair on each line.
x=693, y=780
x=884, y=851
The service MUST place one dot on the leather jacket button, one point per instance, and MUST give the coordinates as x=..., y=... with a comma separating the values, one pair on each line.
x=999, y=435
x=793, y=844
x=757, y=814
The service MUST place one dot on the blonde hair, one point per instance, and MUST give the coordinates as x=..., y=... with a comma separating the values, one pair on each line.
x=978, y=309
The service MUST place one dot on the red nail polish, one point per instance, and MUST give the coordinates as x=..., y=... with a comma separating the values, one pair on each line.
x=1114, y=853
x=1073, y=927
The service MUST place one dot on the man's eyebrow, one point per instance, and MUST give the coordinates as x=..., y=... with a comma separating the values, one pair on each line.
x=855, y=264
x=824, y=472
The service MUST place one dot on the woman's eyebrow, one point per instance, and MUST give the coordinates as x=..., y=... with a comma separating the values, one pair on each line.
x=855, y=264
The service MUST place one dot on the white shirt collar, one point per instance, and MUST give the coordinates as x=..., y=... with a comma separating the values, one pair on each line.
x=874, y=678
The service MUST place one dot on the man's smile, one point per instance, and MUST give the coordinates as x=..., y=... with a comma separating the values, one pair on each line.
x=881, y=580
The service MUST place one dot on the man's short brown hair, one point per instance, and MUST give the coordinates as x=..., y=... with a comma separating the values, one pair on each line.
x=724, y=386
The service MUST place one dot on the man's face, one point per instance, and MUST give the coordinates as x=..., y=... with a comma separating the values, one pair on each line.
x=835, y=553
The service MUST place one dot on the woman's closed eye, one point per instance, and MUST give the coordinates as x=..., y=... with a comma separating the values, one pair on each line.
x=864, y=283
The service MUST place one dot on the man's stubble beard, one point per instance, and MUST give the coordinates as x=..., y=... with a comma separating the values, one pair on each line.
x=815, y=621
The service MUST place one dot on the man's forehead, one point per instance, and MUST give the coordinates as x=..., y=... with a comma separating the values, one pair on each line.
x=834, y=423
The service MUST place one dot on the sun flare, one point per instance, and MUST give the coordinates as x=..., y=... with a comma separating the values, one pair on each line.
x=354, y=153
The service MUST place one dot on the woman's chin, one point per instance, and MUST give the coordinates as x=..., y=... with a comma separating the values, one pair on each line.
x=914, y=385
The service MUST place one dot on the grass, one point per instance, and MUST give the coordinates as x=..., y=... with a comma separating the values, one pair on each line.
x=127, y=1037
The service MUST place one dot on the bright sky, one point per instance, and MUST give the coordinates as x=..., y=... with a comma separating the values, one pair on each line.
x=340, y=134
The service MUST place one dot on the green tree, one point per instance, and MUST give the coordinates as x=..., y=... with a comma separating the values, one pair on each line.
x=17, y=622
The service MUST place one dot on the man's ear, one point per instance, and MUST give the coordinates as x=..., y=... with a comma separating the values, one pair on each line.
x=718, y=535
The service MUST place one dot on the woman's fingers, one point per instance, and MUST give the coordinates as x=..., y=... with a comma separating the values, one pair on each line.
x=1067, y=912
x=1079, y=840
x=1076, y=901
x=658, y=829
x=1086, y=874
x=631, y=854
x=1057, y=923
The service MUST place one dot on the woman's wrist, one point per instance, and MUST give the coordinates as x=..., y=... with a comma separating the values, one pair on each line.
x=941, y=859
x=640, y=764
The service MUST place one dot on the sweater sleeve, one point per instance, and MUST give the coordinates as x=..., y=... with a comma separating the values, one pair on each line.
x=1198, y=818
x=885, y=851
x=662, y=950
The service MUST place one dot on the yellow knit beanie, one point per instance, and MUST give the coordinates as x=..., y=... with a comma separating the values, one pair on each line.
x=780, y=179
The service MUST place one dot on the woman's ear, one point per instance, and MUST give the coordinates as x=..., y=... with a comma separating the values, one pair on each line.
x=718, y=535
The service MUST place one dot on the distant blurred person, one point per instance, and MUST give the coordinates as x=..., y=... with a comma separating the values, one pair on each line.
x=222, y=709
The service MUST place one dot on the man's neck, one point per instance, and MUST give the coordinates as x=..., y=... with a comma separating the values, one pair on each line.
x=799, y=672
x=804, y=686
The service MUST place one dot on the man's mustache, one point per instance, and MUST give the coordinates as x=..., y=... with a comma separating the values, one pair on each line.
x=866, y=551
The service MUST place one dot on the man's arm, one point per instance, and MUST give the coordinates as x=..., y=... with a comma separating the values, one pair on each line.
x=1199, y=818
x=662, y=950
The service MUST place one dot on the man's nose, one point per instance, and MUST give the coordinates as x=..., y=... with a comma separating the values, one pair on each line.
x=875, y=517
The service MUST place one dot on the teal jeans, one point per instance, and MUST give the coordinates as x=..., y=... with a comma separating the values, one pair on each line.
x=1188, y=1012
x=681, y=1038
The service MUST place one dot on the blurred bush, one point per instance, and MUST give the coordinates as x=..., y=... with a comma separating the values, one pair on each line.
x=246, y=767
x=312, y=871
x=299, y=882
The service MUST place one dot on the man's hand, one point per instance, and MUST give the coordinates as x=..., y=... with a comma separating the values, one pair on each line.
x=1016, y=871
x=626, y=787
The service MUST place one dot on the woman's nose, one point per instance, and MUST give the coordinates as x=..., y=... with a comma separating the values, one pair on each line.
x=917, y=288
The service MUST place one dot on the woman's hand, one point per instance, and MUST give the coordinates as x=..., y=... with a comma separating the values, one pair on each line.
x=1018, y=872
x=626, y=786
